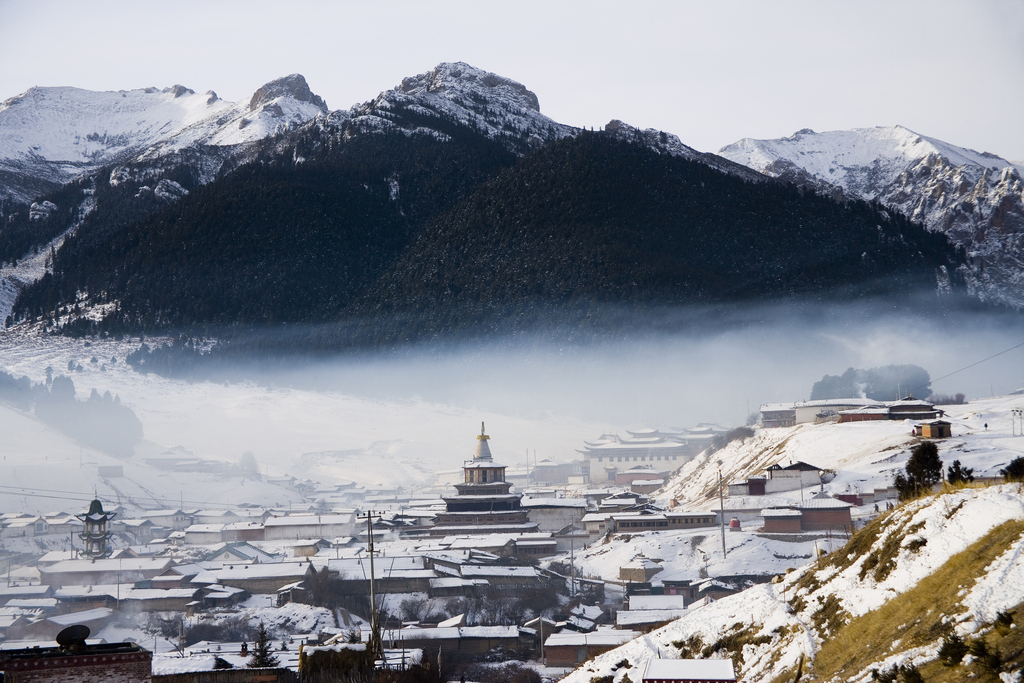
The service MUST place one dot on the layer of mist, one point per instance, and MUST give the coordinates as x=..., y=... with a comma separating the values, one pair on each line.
x=712, y=366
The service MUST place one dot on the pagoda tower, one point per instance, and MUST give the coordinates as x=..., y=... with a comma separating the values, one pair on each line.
x=95, y=534
x=485, y=502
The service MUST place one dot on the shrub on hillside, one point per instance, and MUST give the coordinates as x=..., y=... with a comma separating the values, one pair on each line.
x=1014, y=471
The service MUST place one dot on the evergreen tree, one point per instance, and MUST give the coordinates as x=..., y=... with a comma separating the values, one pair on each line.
x=923, y=470
x=262, y=657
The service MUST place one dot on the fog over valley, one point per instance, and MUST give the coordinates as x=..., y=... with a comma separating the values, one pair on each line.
x=401, y=417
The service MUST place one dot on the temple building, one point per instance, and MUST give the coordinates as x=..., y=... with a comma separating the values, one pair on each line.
x=95, y=533
x=670, y=449
x=484, y=503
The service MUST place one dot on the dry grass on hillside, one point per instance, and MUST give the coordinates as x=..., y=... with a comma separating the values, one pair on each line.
x=919, y=617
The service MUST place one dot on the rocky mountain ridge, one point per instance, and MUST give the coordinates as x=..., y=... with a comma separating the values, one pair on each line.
x=55, y=134
x=975, y=198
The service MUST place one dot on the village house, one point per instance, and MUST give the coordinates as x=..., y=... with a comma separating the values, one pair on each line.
x=934, y=429
x=781, y=520
x=570, y=648
x=103, y=571
x=175, y=520
x=779, y=478
x=214, y=517
x=306, y=526
x=204, y=534
x=255, y=578
x=803, y=412
x=641, y=569
x=821, y=512
x=239, y=552
x=554, y=514
x=647, y=620
x=640, y=473
x=466, y=640
x=610, y=454
x=911, y=408
x=244, y=531
x=25, y=527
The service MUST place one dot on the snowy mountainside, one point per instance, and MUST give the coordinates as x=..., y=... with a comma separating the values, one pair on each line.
x=662, y=142
x=826, y=606
x=975, y=198
x=53, y=134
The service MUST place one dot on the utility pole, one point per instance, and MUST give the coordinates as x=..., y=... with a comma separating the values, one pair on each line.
x=721, y=504
x=376, y=645
x=572, y=560
x=541, y=617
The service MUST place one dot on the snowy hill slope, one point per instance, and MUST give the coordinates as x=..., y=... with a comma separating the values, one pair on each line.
x=976, y=198
x=863, y=455
x=827, y=612
x=54, y=134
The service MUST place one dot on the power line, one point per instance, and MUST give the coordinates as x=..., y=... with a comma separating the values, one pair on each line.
x=966, y=367
x=78, y=495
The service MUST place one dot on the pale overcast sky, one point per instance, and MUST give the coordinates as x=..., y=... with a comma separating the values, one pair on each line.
x=710, y=72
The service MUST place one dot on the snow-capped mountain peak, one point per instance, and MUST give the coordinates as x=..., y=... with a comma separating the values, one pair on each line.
x=975, y=198
x=52, y=134
x=293, y=86
x=457, y=92
x=458, y=79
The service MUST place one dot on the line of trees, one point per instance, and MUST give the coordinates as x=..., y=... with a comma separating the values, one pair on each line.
x=100, y=422
x=924, y=470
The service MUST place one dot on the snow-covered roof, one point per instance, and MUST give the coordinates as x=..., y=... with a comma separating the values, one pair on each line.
x=479, y=571
x=83, y=616
x=597, y=517
x=416, y=633
x=553, y=503
x=823, y=501
x=656, y=602
x=126, y=564
x=32, y=603
x=600, y=637
x=450, y=582
x=780, y=512
x=642, y=562
x=300, y=520
x=36, y=590
x=868, y=410
x=259, y=571
x=689, y=669
x=820, y=403
x=636, y=617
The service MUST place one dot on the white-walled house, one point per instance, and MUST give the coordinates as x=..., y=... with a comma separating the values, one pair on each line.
x=294, y=527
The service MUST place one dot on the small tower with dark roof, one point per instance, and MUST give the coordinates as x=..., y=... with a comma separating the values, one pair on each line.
x=484, y=502
x=95, y=534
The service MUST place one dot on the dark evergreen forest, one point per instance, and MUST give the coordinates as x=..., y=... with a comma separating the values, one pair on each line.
x=376, y=239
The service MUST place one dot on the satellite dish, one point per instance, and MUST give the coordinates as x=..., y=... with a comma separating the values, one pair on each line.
x=73, y=635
